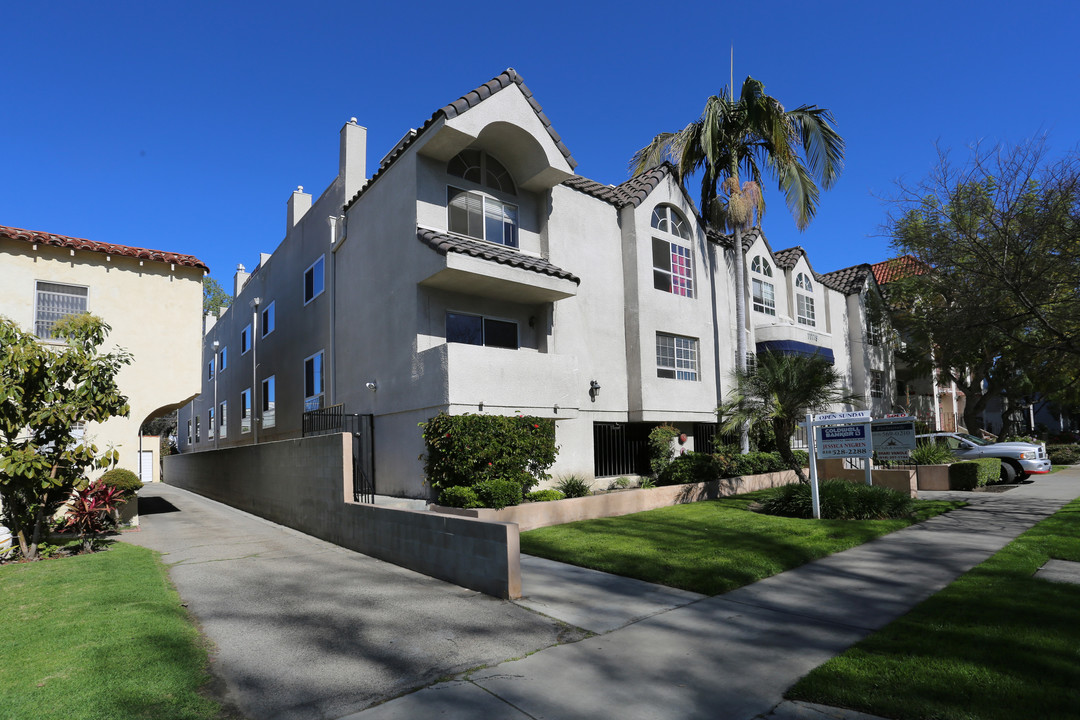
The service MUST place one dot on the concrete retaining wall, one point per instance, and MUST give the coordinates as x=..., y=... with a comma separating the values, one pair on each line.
x=901, y=480
x=306, y=484
x=529, y=516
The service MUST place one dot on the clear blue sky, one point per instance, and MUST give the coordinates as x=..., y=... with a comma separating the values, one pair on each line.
x=185, y=126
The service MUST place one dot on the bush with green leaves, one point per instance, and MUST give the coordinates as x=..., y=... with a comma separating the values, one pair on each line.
x=964, y=475
x=989, y=471
x=840, y=500
x=544, y=495
x=660, y=452
x=573, y=486
x=459, y=496
x=1063, y=454
x=690, y=468
x=123, y=480
x=497, y=493
x=930, y=453
x=757, y=463
x=464, y=450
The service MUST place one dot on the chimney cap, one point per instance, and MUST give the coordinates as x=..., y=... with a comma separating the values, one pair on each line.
x=240, y=267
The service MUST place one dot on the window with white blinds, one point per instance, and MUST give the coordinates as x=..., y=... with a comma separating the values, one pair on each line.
x=55, y=301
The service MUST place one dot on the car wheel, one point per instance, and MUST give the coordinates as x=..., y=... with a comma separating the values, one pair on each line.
x=1008, y=473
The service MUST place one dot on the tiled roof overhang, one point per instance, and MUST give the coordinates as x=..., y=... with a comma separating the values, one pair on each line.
x=73, y=243
x=443, y=243
x=469, y=100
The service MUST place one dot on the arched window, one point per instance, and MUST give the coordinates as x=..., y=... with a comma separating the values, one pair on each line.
x=673, y=268
x=479, y=167
x=802, y=281
x=476, y=214
x=763, y=292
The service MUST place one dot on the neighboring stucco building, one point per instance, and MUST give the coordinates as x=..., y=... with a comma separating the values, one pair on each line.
x=476, y=272
x=150, y=298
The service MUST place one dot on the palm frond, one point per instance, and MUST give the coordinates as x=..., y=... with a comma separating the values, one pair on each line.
x=823, y=146
x=661, y=149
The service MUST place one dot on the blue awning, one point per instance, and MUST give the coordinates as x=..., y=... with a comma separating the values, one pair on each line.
x=794, y=347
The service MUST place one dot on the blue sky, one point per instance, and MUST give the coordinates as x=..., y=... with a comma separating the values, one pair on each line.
x=186, y=126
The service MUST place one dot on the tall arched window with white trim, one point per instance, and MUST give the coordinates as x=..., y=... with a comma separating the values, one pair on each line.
x=804, y=301
x=673, y=266
x=479, y=213
x=763, y=292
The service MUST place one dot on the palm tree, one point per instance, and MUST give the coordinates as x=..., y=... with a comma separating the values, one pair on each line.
x=799, y=148
x=780, y=391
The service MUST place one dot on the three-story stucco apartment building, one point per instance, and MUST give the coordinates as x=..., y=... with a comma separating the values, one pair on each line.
x=476, y=272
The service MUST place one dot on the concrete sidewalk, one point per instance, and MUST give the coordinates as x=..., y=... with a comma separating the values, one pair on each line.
x=733, y=656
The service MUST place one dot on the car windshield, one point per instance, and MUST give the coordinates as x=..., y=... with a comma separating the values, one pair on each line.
x=973, y=439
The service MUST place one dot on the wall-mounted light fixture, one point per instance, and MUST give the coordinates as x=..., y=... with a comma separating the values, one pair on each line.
x=594, y=390
x=370, y=385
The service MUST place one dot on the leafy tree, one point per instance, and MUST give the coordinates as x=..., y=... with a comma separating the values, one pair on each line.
x=779, y=393
x=214, y=296
x=999, y=308
x=46, y=391
x=735, y=139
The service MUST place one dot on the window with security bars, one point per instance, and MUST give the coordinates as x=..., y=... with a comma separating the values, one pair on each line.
x=805, y=307
x=676, y=357
x=53, y=302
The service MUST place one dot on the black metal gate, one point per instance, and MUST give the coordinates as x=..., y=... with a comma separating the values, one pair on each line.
x=334, y=419
x=621, y=449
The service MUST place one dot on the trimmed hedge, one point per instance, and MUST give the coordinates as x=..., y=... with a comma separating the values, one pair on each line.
x=840, y=500
x=122, y=479
x=544, y=495
x=498, y=493
x=702, y=467
x=1063, y=454
x=964, y=475
x=459, y=497
x=690, y=468
x=989, y=471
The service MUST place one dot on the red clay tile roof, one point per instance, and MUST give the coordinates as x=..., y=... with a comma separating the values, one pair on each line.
x=469, y=100
x=443, y=243
x=44, y=238
x=897, y=268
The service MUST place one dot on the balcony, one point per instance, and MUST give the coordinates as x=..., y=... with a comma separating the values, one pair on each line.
x=789, y=338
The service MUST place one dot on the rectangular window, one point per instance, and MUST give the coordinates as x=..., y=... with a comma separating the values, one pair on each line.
x=877, y=384
x=481, y=217
x=245, y=411
x=210, y=424
x=223, y=359
x=478, y=330
x=188, y=432
x=313, y=281
x=268, y=320
x=268, y=403
x=805, y=309
x=313, y=382
x=764, y=297
x=53, y=302
x=873, y=333
x=223, y=422
x=676, y=357
x=672, y=270
x=196, y=428
x=210, y=370
x=245, y=339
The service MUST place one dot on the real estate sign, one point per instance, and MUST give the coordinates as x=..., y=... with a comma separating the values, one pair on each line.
x=844, y=441
x=893, y=441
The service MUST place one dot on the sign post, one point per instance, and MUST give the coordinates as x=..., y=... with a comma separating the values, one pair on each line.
x=843, y=435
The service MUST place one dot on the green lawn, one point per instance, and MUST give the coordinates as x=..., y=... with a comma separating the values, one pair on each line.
x=997, y=644
x=99, y=636
x=707, y=547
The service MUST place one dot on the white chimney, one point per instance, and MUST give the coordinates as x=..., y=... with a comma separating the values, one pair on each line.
x=352, y=159
x=299, y=203
x=239, y=279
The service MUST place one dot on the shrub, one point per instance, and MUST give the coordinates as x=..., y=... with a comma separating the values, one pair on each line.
x=964, y=475
x=544, y=495
x=660, y=451
x=573, y=486
x=756, y=463
x=989, y=471
x=619, y=483
x=125, y=481
x=646, y=483
x=689, y=468
x=497, y=493
x=840, y=500
x=459, y=497
x=930, y=453
x=91, y=511
x=1063, y=454
x=463, y=450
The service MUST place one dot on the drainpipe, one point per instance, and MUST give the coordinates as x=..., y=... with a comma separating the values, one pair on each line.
x=331, y=283
x=255, y=389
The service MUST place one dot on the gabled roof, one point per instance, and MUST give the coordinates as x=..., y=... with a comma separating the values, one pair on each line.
x=848, y=280
x=63, y=241
x=443, y=243
x=897, y=268
x=749, y=237
x=633, y=192
x=464, y=103
x=788, y=257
